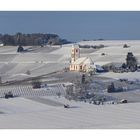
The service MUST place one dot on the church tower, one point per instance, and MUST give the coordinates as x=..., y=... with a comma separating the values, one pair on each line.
x=75, y=53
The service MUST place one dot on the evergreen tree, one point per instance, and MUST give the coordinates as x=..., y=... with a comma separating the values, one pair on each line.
x=131, y=62
x=83, y=79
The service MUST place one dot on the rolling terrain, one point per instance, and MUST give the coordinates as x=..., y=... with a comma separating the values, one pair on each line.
x=43, y=109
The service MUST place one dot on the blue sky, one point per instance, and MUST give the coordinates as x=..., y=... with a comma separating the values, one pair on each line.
x=73, y=26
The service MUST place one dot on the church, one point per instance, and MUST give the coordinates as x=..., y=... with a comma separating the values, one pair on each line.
x=81, y=64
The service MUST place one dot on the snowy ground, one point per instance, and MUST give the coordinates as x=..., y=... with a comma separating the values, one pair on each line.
x=47, y=111
x=114, y=51
x=40, y=60
x=28, y=91
x=132, y=76
x=27, y=113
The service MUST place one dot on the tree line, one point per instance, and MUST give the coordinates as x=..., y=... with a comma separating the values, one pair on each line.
x=33, y=39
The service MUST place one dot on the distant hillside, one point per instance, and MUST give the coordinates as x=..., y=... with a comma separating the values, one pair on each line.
x=32, y=39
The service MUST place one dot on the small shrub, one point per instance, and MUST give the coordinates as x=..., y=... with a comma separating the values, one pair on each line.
x=36, y=84
x=111, y=88
x=20, y=49
x=125, y=46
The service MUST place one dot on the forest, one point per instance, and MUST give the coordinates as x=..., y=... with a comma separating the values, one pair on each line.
x=33, y=39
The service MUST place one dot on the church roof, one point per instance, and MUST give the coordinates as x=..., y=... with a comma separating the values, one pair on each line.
x=81, y=60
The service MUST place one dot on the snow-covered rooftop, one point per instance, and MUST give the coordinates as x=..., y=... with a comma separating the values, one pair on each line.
x=80, y=60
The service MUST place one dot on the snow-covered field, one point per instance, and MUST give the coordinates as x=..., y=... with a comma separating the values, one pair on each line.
x=114, y=51
x=39, y=61
x=111, y=42
x=27, y=113
x=28, y=91
x=47, y=111
x=12, y=62
x=132, y=76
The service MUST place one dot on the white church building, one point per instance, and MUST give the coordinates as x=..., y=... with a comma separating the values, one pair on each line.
x=82, y=64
